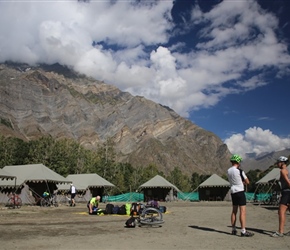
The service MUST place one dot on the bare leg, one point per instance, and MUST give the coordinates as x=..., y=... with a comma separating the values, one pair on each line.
x=234, y=216
x=243, y=217
x=282, y=217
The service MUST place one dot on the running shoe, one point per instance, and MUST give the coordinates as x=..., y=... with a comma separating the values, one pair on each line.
x=247, y=234
x=234, y=232
x=277, y=235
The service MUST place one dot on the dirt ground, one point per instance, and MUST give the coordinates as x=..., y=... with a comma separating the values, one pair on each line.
x=188, y=225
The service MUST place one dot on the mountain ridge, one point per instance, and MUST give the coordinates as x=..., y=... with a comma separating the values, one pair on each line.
x=264, y=160
x=41, y=100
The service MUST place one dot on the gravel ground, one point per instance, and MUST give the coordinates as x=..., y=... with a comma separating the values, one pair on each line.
x=188, y=225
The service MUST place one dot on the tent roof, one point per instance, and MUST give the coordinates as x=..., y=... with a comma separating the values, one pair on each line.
x=273, y=175
x=85, y=181
x=5, y=175
x=214, y=181
x=158, y=181
x=31, y=172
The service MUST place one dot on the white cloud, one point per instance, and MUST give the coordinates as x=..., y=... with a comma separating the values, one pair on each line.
x=134, y=50
x=256, y=140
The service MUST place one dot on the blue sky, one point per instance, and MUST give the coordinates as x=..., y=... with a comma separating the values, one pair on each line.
x=224, y=65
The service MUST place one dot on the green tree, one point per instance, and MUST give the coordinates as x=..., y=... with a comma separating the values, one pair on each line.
x=149, y=172
x=195, y=181
x=181, y=181
x=12, y=151
x=254, y=176
x=136, y=177
x=40, y=151
x=106, y=164
x=67, y=157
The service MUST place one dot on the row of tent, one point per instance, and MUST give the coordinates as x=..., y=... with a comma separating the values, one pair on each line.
x=30, y=181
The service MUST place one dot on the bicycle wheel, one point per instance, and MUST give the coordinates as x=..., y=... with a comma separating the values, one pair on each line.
x=267, y=201
x=18, y=202
x=10, y=203
x=44, y=202
x=14, y=202
x=151, y=216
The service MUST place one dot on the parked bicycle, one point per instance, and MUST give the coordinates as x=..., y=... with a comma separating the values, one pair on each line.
x=14, y=201
x=273, y=199
x=49, y=201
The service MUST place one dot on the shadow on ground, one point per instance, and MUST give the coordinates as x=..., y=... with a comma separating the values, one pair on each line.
x=255, y=230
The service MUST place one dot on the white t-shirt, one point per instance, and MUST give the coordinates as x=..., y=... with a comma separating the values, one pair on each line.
x=73, y=189
x=235, y=179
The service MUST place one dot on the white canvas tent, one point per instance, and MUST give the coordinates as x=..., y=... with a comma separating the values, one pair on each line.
x=5, y=175
x=31, y=181
x=214, y=181
x=214, y=188
x=271, y=180
x=273, y=175
x=158, y=187
x=87, y=185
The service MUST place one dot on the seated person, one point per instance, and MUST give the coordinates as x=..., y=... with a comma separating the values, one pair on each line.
x=93, y=204
x=153, y=203
x=149, y=202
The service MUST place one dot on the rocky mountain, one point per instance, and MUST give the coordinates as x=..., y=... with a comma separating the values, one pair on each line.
x=53, y=100
x=263, y=161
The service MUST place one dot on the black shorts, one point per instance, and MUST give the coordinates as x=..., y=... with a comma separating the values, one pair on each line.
x=72, y=196
x=285, y=198
x=239, y=199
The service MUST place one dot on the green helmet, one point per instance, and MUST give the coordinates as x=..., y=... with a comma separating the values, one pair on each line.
x=236, y=158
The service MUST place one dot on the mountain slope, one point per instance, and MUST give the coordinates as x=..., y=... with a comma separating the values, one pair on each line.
x=36, y=101
x=263, y=161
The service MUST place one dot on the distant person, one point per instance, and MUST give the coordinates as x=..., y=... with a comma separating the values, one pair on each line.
x=149, y=202
x=153, y=203
x=285, y=198
x=238, y=179
x=72, y=195
x=93, y=204
x=167, y=198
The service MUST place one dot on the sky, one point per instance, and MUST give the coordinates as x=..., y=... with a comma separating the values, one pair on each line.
x=224, y=65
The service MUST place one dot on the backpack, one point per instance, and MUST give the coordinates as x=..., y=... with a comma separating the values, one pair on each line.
x=130, y=222
x=135, y=209
x=122, y=210
x=128, y=208
x=116, y=209
x=162, y=209
x=109, y=208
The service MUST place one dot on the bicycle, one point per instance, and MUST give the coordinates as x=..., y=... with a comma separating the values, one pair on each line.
x=48, y=201
x=150, y=216
x=273, y=199
x=14, y=201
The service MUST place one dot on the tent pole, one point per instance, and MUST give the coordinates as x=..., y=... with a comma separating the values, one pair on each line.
x=14, y=202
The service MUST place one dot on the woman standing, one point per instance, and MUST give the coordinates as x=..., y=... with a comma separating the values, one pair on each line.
x=285, y=198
